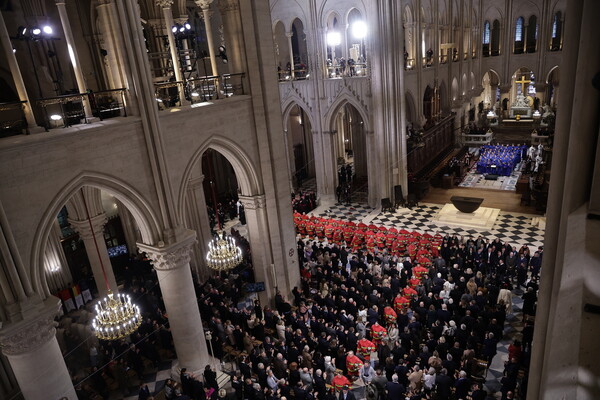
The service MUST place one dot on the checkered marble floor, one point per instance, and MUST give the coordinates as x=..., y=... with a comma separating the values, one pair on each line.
x=350, y=212
x=155, y=381
x=511, y=227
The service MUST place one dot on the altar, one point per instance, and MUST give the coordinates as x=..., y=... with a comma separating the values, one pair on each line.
x=521, y=106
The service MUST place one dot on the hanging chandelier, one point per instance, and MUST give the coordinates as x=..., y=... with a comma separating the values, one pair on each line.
x=115, y=317
x=223, y=253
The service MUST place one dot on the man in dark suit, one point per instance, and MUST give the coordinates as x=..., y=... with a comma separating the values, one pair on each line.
x=346, y=394
x=394, y=389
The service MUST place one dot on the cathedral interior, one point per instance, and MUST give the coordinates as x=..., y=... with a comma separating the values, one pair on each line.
x=136, y=134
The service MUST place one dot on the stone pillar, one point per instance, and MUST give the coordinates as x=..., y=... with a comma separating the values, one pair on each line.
x=56, y=268
x=275, y=277
x=230, y=13
x=32, y=350
x=172, y=265
x=168, y=16
x=197, y=220
x=206, y=14
x=289, y=36
x=329, y=164
x=92, y=234
x=109, y=32
x=81, y=86
x=130, y=229
x=16, y=74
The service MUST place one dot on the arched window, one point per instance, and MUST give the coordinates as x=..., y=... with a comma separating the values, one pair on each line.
x=486, y=39
x=532, y=32
x=519, y=36
x=495, y=38
x=556, y=42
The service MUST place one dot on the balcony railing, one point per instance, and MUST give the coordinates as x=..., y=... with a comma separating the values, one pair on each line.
x=197, y=90
x=12, y=118
x=298, y=75
x=338, y=71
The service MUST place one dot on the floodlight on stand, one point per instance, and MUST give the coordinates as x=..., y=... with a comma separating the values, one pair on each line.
x=116, y=317
x=195, y=94
x=36, y=31
x=55, y=117
x=334, y=38
x=187, y=26
x=174, y=29
x=182, y=29
x=47, y=30
x=223, y=253
x=359, y=29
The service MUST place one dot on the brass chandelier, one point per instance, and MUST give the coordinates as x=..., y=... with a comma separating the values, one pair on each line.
x=115, y=317
x=223, y=253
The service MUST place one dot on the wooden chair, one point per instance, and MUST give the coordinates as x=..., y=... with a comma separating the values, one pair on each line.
x=386, y=204
x=399, y=200
x=411, y=200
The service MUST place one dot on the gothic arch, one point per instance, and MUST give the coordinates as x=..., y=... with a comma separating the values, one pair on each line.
x=550, y=71
x=146, y=218
x=246, y=174
x=289, y=105
x=444, y=104
x=454, y=89
x=337, y=104
x=411, y=108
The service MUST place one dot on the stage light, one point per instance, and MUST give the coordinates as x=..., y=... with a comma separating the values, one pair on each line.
x=182, y=29
x=36, y=31
x=187, y=26
x=55, y=117
x=14, y=50
x=174, y=29
x=47, y=30
x=21, y=31
x=334, y=38
x=195, y=94
x=359, y=29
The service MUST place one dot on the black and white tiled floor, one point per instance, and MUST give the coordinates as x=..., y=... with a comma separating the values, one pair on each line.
x=155, y=381
x=510, y=227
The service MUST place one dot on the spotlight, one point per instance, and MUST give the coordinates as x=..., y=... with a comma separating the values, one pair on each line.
x=36, y=31
x=14, y=50
x=187, y=26
x=223, y=54
x=174, y=29
x=182, y=29
x=47, y=30
x=55, y=117
x=359, y=29
x=334, y=38
x=195, y=94
x=21, y=31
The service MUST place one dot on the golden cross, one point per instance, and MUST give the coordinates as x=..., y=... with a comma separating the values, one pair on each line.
x=523, y=82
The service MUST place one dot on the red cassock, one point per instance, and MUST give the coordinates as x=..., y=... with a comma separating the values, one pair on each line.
x=353, y=363
x=365, y=347
x=378, y=334
x=390, y=315
x=339, y=381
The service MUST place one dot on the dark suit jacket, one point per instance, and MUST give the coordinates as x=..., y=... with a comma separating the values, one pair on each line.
x=349, y=396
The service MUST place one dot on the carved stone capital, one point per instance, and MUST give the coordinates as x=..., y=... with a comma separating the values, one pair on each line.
x=60, y=2
x=289, y=34
x=228, y=5
x=83, y=226
x=253, y=202
x=27, y=335
x=164, y=3
x=203, y=4
x=172, y=256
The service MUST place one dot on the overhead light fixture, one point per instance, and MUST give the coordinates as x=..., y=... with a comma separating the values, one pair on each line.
x=223, y=253
x=115, y=317
x=47, y=30
x=359, y=29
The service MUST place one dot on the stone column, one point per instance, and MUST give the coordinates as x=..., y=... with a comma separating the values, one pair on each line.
x=168, y=16
x=172, y=265
x=274, y=277
x=56, y=267
x=329, y=164
x=108, y=29
x=197, y=220
x=92, y=234
x=32, y=350
x=81, y=86
x=204, y=5
x=16, y=74
x=230, y=12
x=289, y=36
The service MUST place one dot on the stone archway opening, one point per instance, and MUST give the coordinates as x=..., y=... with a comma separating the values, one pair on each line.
x=300, y=149
x=351, y=154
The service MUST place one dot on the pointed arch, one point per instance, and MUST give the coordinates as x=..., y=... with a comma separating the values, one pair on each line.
x=338, y=103
x=289, y=105
x=147, y=219
x=411, y=107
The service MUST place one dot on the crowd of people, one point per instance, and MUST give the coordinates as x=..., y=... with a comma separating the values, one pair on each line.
x=499, y=159
x=304, y=201
x=421, y=326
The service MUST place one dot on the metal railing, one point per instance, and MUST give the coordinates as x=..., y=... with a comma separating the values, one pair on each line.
x=357, y=69
x=198, y=90
x=298, y=75
x=108, y=103
x=12, y=118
